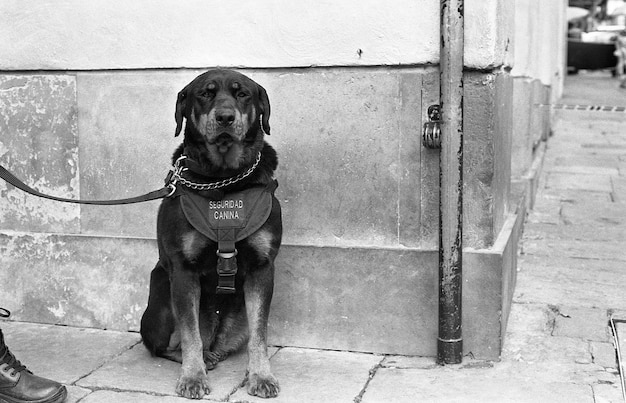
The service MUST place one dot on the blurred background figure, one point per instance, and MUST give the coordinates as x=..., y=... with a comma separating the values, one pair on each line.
x=597, y=37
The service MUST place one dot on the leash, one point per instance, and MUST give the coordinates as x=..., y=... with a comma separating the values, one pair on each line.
x=174, y=177
x=156, y=194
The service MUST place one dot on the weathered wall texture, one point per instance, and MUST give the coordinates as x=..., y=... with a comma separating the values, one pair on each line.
x=87, y=94
x=539, y=69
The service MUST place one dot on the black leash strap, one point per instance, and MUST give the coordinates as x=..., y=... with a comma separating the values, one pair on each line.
x=157, y=194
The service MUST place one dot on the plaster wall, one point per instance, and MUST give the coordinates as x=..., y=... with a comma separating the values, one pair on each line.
x=538, y=72
x=97, y=35
x=540, y=47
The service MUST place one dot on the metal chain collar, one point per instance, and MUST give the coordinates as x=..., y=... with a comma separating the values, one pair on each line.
x=178, y=170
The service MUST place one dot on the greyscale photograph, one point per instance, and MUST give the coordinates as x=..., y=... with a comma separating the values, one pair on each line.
x=402, y=201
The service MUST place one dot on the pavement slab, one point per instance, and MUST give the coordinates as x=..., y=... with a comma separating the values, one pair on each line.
x=65, y=354
x=128, y=372
x=554, y=280
x=110, y=396
x=317, y=376
x=585, y=183
x=592, y=249
x=467, y=385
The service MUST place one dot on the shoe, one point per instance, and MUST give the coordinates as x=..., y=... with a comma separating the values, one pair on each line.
x=19, y=385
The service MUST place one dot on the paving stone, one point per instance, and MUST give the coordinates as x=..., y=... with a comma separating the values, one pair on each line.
x=582, y=232
x=582, y=282
x=109, y=396
x=76, y=394
x=551, y=349
x=582, y=323
x=576, y=249
x=137, y=370
x=607, y=393
x=583, y=159
x=619, y=186
x=62, y=353
x=597, y=183
x=603, y=354
x=317, y=376
x=585, y=170
x=592, y=212
x=411, y=385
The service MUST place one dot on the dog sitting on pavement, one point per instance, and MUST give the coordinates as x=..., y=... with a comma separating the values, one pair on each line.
x=218, y=235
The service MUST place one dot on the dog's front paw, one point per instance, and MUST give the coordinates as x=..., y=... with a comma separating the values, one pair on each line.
x=193, y=387
x=262, y=386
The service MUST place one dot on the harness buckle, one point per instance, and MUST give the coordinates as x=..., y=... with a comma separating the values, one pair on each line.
x=226, y=255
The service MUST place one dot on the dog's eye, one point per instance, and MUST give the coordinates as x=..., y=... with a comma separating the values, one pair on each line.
x=241, y=94
x=206, y=94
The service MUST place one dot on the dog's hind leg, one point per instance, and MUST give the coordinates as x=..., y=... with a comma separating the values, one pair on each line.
x=157, y=322
x=209, y=321
x=232, y=333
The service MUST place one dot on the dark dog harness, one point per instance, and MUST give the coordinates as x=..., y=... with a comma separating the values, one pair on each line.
x=222, y=216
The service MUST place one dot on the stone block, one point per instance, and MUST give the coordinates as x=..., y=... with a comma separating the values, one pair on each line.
x=486, y=156
x=76, y=280
x=377, y=300
x=126, y=125
x=348, y=159
x=349, y=162
x=540, y=118
x=522, y=144
x=429, y=171
x=488, y=29
x=39, y=145
x=488, y=286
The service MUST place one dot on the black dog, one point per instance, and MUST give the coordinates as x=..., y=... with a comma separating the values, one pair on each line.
x=218, y=235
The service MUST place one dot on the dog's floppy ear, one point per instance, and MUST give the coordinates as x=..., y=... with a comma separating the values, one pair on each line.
x=264, y=103
x=181, y=105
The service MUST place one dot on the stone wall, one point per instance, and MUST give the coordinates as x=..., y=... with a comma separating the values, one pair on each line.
x=88, y=91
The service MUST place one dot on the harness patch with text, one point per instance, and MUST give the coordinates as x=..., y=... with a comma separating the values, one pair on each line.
x=242, y=212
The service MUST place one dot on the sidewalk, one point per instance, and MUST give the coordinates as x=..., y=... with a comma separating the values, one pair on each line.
x=572, y=274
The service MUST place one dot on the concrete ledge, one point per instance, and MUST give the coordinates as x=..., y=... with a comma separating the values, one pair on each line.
x=357, y=299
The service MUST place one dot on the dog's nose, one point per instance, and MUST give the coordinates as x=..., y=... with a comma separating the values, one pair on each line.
x=225, y=118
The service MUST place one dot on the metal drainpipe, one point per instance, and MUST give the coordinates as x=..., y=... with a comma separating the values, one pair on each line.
x=450, y=340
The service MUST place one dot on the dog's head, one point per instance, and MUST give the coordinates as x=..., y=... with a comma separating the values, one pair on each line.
x=227, y=113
